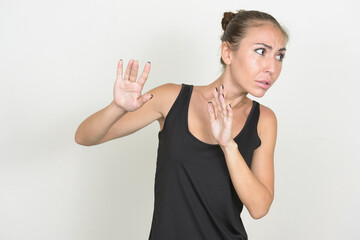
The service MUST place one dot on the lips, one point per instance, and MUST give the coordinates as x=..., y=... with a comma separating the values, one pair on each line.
x=267, y=82
x=264, y=84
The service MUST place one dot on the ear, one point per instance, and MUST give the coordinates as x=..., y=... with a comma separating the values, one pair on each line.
x=225, y=53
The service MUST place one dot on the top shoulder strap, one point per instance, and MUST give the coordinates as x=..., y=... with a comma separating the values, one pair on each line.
x=178, y=111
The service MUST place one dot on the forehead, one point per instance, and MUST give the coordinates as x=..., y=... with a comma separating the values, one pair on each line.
x=266, y=33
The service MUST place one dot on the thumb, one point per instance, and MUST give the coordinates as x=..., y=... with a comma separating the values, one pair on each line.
x=146, y=97
x=211, y=112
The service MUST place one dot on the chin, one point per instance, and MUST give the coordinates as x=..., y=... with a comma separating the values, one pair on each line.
x=258, y=94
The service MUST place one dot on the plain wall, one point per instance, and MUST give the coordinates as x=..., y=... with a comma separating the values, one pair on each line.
x=58, y=64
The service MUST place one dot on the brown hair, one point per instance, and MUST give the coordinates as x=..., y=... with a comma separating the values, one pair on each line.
x=235, y=26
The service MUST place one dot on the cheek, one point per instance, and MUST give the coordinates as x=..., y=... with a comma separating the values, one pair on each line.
x=252, y=67
x=246, y=66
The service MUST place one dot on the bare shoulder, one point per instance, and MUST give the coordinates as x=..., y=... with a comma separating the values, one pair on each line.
x=164, y=96
x=267, y=120
x=166, y=90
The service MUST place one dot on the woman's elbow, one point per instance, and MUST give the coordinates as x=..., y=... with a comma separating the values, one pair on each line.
x=258, y=214
x=80, y=141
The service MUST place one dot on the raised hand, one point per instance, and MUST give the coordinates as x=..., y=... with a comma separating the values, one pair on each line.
x=221, y=117
x=127, y=91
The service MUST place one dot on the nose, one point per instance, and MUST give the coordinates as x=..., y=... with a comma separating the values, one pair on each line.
x=270, y=65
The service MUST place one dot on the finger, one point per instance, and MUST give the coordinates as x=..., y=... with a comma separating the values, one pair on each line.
x=221, y=89
x=144, y=75
x=119, y=72
x=222, y=99
x=216, y=96
x=134, y=71
x=146, y=97
x=223, y=104
x=211, y=111
x=128, y=69
x=229, y=112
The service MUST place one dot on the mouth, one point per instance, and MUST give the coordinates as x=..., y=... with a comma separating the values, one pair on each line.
x=265, y=84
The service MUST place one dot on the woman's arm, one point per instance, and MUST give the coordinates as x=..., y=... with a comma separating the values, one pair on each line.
x=254, y=187
x=127, y=113
x=95, y=127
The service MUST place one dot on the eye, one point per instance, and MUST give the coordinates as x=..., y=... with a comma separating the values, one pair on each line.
x=260, y=51
x=280, y=57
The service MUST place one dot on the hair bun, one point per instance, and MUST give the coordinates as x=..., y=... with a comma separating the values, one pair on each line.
x=228, y=16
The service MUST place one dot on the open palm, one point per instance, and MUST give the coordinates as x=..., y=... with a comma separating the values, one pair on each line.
x=127, y=91
x=221, y=117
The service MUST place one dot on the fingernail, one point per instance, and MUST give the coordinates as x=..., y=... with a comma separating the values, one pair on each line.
x=149, y=62
x=223, y=95
x=209, y=102
x=120, y=59
x=216, y=89
x=229, y=105
x=222, y=87
x=151, y=96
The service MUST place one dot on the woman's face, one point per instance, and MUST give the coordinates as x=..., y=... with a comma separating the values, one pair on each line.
x=257, y=63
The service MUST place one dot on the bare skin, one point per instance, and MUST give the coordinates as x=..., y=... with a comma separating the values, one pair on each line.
x=218, y=122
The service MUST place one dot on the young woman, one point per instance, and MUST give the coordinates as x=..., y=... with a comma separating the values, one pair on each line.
x=216, y=145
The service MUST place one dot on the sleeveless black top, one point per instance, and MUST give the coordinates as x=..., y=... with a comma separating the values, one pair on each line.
x=194, y=195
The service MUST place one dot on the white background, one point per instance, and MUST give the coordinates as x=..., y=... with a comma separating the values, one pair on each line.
x=57, y=66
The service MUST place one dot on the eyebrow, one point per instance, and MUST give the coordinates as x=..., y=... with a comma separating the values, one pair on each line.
x=270, y=47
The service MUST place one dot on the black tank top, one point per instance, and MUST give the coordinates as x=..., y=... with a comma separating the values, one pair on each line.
x=194, y=195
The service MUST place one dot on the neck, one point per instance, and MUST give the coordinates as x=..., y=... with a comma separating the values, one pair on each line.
x=235, y=95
